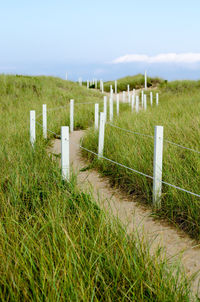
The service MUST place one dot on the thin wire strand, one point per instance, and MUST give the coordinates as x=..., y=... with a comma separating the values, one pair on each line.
x=167, y=141
x=129, y=130
x=48, y=129
x=121, y=165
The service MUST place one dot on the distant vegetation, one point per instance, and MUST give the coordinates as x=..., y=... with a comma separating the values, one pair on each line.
x=56, y=244
x=178, y=112
x=135, y=82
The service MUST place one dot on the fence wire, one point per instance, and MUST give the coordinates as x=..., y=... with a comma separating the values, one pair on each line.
x=142, y=134
x=126, y=167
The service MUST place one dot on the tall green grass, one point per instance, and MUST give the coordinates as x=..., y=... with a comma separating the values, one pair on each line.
x=178, y=112
x=136, y=82
x=55, y=243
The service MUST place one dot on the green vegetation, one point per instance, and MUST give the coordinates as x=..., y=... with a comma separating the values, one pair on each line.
x=136, y=82
x=178, y=112
x=55, y=243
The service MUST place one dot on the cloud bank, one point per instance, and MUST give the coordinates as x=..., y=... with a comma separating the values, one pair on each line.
x=183, y=58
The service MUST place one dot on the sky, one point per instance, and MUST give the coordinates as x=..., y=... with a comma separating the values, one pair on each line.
x=102, y=39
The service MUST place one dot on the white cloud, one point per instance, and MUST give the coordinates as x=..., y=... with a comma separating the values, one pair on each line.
x=187, y=58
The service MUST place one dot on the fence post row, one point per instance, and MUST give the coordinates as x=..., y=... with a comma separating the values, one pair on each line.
x=105, y=108
x=137, y=104
x=96, y=116
x=32, y=127
x=115, y=86
x=102, y=89
x=151, y=98
x=142, y=98
x=101, y=135
x=111, y=109
x=133, y=102
x=65, y=152
x=145, y=102
x=157, y=98
x=71, y=115
x=157, y=165
x=123, y=96
x=117, y=104
x=44, y=120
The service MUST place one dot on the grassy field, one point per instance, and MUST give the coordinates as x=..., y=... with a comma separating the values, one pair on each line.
x=136, y=82
x=55, y=243
x=178, y=112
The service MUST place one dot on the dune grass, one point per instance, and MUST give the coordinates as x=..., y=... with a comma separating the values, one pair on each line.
x=55, y=242
x=178, y=112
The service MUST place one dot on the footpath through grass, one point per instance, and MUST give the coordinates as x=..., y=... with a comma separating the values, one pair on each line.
x=178, y=112
x=55, y=243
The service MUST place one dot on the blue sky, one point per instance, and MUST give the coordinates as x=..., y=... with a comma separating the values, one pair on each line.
x=82, y=37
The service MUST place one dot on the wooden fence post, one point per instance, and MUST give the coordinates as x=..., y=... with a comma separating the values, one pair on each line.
x=115, y=86
x=145, y=102
x=96, y=116
x=105, y=108
x=32, y=127
x=137, y=104
x=44, y=120
x=71, y=115
x=101, y=135
x=157, y=98
x=111, y=110
x=123, y=96
x=65, y=152
x=151, y=98
x=133, y=102
x=157, y=165
x=142, y=98
x=117, y=103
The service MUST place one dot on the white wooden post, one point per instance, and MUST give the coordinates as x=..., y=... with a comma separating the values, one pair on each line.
x=137, y=104
x=32, y=127
x=151, y=98
x=145, y=80
x=71, y=115
x=87, y=84
x=142, y=98
x=157, y=165
x=157, y=98
x=105, y=108
x=102, y=88
x=117, y=102
x=65, y=152
x=123, y=96
x=145, y=102
x=96, y=117
x=116, y=86
x=101, y=135
x=44, y=120
x=111, y=110
x=129, y=98
x=133, y=102
x=110, y=89
x=128, y=89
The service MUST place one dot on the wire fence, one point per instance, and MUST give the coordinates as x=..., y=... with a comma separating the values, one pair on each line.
x=150, y=136
x=121, y=165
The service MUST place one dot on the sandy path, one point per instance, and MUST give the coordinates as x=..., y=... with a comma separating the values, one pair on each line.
x=176, y=244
